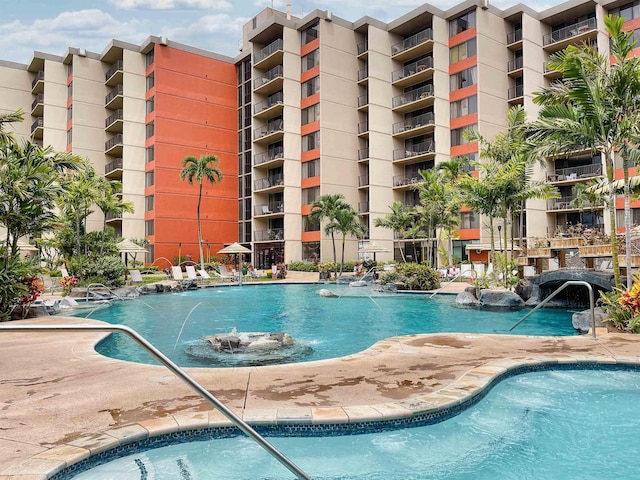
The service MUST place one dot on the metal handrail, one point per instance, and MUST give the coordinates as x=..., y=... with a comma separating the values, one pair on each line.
x=473, y=274
x=565, y=285
x=177, y=371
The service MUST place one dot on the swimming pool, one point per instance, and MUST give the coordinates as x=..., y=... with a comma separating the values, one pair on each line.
x=325, y=327
x=556, y=424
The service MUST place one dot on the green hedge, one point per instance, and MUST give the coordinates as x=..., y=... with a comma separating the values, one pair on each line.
x=414, y=276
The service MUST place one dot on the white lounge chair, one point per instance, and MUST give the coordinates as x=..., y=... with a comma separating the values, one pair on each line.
x=64, y=272
x=191, y=272
x=226, y=274
x=136, y=276
x=176, y=272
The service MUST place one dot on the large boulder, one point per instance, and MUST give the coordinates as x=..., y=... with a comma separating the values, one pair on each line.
x=323, y=292
x=524, y=289
x=499, y=298
x=582, y=321
x=467, y=299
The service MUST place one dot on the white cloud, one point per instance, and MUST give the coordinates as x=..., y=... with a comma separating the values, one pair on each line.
x=171, y=4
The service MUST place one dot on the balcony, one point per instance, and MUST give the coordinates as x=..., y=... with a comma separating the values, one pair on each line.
x=363, y=76
x=413, y=100
x=37, y=128
x=410, y=127
x=270, y=82
x=405, y=182
x=270, y=209
x=276, y=234
x=270, y=107
x=576, y=33
x=113, y=217
x=564, y=204
x=363, y=207
x=363, y=129
x=270, y=133
x=515, y=64
x=413, y=73
x=573, y=174
x=114, y=74
x=269, y=159
x=363, y=50
x=113, y=123
x=363, y=181
x=37, y=86
x=413, y=46
x=113, y=146
x=415, y=153
x=37, y=107
x=363, y=155
x=514, y=37
x=113, y=99
x=363, y=102
x=269, y=56
x=275, y=182
x=113, y=169
x=515, y=94
x=549, y=73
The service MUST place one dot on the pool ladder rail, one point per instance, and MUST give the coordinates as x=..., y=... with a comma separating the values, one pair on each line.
x=177, y=371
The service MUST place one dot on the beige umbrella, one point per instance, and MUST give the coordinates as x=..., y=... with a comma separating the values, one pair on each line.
x=373, y=248
x=236, y=249
x=127, y=247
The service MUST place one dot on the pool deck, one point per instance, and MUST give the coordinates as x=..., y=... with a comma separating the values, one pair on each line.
x=60, y=401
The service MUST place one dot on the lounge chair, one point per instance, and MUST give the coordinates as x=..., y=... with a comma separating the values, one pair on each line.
x=191, y=272
x=176, y=272
x=204, y=276
x=136, y=276
x=253, y=273
x=49, y=284
x=226, y=274
x=64, y=272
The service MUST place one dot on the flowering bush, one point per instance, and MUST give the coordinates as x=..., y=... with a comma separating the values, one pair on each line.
x=67, y=284
x=623, y=307
x=34, y=288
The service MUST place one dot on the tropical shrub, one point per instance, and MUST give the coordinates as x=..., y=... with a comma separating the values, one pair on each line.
x=303, y=267
x=108, y=270
x=414, y=276
x=623, y=307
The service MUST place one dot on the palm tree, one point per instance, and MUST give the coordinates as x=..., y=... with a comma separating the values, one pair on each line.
x=326, y=208
x=111, y=203
x=6, y=138
x=199, y=170
x=345, y=222
x=399, y=221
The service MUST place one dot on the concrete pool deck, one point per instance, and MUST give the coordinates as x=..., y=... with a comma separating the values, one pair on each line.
x=60, y=401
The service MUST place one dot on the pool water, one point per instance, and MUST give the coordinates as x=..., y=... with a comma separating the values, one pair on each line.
x=325, y=327
x=564, y=425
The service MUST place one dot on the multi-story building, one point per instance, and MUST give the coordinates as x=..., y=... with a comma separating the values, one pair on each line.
x=322, y=106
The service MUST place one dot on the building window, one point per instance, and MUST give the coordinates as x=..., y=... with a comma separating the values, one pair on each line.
x=464, y=106
x=462, y=51
x=69, y=113
x=148, y=203
x=70, y=90
x=469, y=220
x=69, y=69
x=310, y=87
x=311, y=251
x=310, y=195
x=150, y=129
x=149, y=58
x=311, y=169
x=151, y=81
x=458, y=137
x=311, y=141
x=309, y=225
x=69, y=136
x=462, y=23
x=149, y=228
x=463, y=79
x=310, y=114
x=149, y=178
x=310, y=60
x=150, y=153
x=309, y=34
x=151, y=105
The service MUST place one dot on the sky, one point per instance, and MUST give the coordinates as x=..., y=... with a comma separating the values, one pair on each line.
x=52, y=26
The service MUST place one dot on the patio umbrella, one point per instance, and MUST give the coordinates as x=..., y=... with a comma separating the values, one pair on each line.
x=236, y=249
x=128, y=247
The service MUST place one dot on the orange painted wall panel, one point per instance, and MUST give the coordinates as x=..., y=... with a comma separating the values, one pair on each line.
x=310, y=182
x=310, y=236
x=468, y=233
x=310, y=128
x=305, y=209
x=463, y=121
x=463, y=93
x=310, y=155
x=309, y=47
x=310, y=100
x=463, y=64
x=619, y=173
x=482, y=257
x=462, y=37
x=312, y=72
x=464, y=149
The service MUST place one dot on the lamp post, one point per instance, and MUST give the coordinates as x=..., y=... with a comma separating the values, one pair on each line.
x=500, y=237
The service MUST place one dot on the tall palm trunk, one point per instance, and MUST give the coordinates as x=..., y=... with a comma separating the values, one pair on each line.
x=612, y=220
x=627, y=217
x=200, y=231
x=335, y=255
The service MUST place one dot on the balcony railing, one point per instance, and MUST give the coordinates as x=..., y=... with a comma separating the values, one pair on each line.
x=564, y=203
x=514, y=36
x=414, y=150
x=275, y=72
x=412, y=41
x=275, y=99
x=39, y=99
x=412, y=68
x=39, y=123
x=413, y=95
x=363, y=73
x=363, y=47
x=112, y=142
x=268, y=209
x=114, y=117
x=414, y=122
x=112, y=166
x=272, y=127
x=403, y=180
x=363, y=127
x=363, y=153
x=363, y=207
x=268, y=50
x=113, y=216
x=515, y=64
x=266, y=235
x=363, y=100
x=569, y=32
x=515, y=92
x=115, y=91
x=363, y=180
x=263, y=183
x=264, y=157
x=114, y=68
x=574, y=173
x=39, y=78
